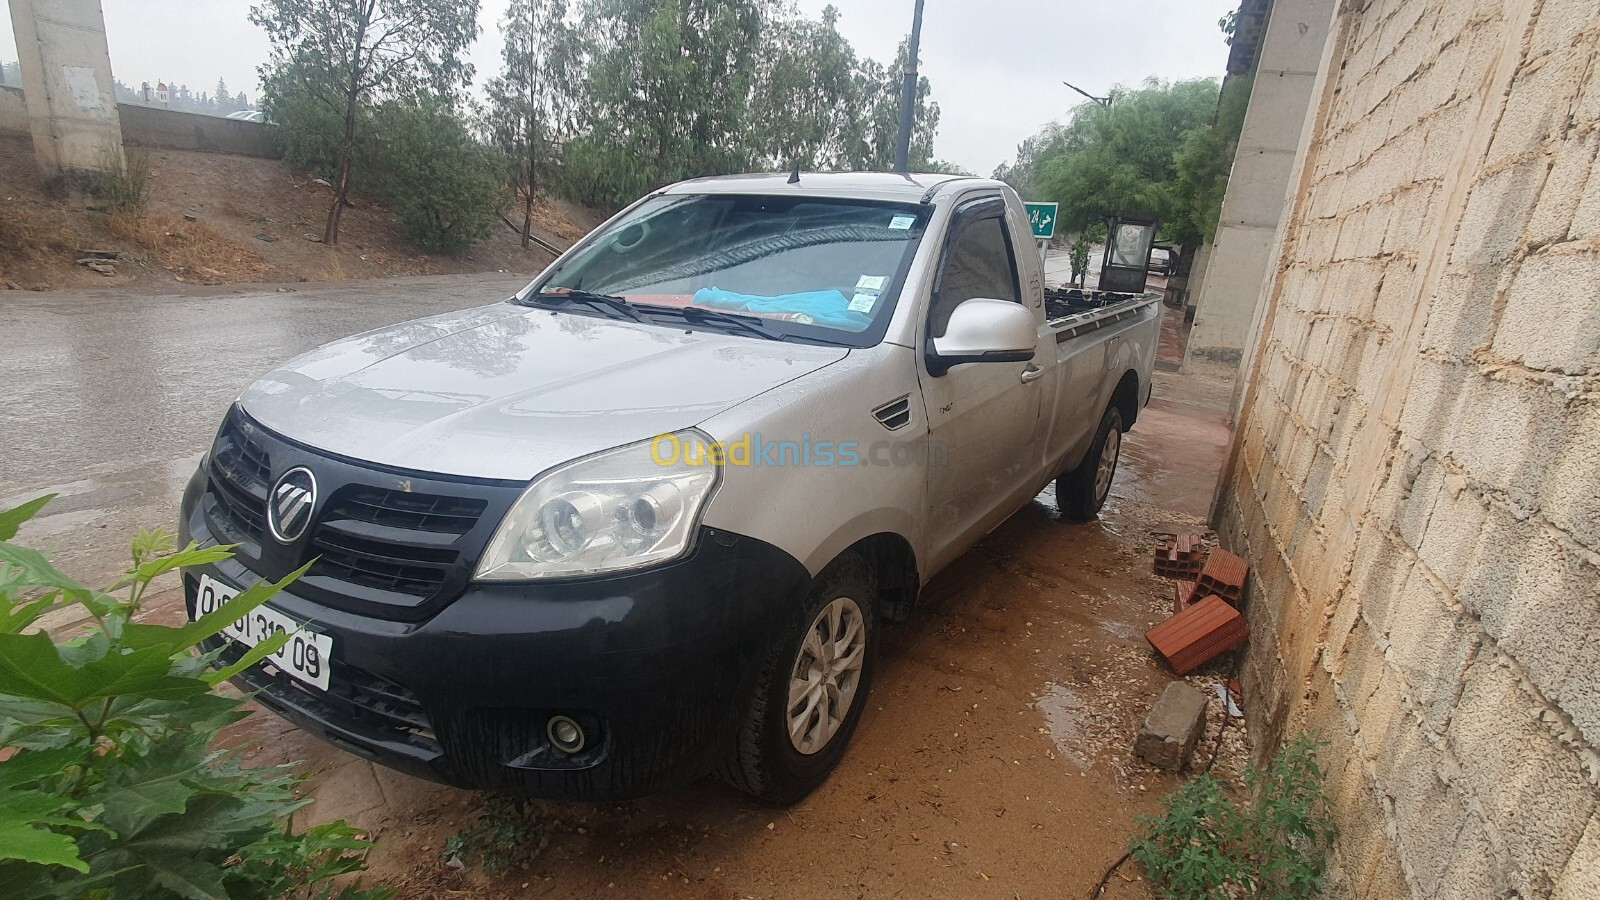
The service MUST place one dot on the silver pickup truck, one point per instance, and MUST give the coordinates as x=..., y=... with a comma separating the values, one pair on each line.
x=642, y=521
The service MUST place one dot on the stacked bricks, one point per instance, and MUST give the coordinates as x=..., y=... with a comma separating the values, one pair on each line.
x=1178, y=555
x=1205, y=593
x=1199, y=634
x=1223, y=575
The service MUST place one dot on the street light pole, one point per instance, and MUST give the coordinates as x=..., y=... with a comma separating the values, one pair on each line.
x=908, y=96
x=1103, y=101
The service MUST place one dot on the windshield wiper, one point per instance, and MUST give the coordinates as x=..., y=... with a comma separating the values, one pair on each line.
x=604, y=303
x=751, y=325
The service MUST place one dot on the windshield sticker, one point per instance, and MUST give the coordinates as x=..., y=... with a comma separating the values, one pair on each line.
x=863, y=301
x=871, y=282
x=902, y=223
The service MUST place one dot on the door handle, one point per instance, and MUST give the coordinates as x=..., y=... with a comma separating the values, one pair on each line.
x=1032, y=373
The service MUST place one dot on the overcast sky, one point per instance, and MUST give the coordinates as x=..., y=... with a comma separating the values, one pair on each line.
x=996, y=65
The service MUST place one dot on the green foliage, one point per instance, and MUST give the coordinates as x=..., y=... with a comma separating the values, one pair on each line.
x=1205, y=847
x=507, y=832
x=1204, y=160
x=530, y=102
x=110, y=785
x=310, y=129
x=1078, y=256
x=675, y=89
x=1121, y=159
x=350, y=55
x=448, y=188
x=1229, y=23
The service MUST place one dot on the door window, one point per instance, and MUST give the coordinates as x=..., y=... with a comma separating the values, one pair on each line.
x=978, y=263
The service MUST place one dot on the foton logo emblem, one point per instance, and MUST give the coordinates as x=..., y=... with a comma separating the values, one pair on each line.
x=290, y=504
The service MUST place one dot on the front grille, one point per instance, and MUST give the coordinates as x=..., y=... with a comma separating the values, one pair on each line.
x=391, y=540
x=403, y=509
x=381, y=542
x=241, y=472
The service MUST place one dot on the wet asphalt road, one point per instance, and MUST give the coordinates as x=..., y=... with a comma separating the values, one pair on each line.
x=109, y=398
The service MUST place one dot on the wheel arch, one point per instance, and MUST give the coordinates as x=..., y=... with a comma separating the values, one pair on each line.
x=893, y=564
x=1126, y=398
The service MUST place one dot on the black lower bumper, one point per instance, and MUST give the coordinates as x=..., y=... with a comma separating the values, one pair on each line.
x=651, y=665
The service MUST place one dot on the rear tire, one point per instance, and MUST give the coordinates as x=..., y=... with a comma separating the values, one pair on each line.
x=811, y=690
x=1082, y=492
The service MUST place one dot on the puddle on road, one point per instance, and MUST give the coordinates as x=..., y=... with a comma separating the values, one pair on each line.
x=1063, y=717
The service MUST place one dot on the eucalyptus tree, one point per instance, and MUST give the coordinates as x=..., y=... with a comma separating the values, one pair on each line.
x=349, y=55
x=806, y=98
x=532, y=101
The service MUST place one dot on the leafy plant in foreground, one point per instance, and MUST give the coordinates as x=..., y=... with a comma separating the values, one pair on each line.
x=1204, y=846
x=110, y=785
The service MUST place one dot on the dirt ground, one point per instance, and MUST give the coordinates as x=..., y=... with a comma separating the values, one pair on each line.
x=254, y=220
x=994, y=761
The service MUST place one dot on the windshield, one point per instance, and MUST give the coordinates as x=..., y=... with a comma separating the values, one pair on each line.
x=822, y=268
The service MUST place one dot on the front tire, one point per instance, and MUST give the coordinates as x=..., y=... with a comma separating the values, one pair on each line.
x=811, y=690
x=1082, y=492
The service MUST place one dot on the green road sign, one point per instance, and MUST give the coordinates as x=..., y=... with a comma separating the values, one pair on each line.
x=1042, y=217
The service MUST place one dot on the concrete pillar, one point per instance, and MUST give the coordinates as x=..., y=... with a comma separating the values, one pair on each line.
x=66, y=75
x=1280, y=98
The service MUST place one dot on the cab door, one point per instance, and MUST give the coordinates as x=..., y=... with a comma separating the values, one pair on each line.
x=982, y=416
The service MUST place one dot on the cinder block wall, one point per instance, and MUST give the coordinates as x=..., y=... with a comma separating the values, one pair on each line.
x=1416, y=470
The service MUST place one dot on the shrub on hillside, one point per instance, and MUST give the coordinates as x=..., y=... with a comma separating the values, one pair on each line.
x=449, y=189
x=446, y=186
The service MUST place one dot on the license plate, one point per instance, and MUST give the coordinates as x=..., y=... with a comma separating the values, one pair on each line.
x=304, y=658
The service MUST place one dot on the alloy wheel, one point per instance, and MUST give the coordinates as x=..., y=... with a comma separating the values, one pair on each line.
x=826, y=673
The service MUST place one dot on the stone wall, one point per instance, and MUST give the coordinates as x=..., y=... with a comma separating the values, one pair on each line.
x=149, y=126
x=1415, y=472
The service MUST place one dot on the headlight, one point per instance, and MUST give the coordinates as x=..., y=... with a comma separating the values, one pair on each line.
x=626, y=508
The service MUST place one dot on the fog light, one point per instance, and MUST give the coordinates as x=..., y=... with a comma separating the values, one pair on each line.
x=564, y=734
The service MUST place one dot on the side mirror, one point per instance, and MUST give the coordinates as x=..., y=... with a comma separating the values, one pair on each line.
x=984, y=330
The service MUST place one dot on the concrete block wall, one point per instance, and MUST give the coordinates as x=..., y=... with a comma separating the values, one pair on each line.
x=149, y=126
x=1415, y=474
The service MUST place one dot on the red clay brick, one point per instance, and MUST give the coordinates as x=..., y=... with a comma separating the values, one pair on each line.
x=1224, y=574
x=1182, y=595
x=1178, y=555
x=1199, y=634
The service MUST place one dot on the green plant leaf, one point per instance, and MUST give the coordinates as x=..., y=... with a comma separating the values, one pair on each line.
x=23, y=815
x=12, y=519
x=35, y=571
x=32, y=668
x=247, y=600
x=192, y=555
x=31, y=765
x=38, y=845
x=251, y=657
x=143, y=787
x=17, y=618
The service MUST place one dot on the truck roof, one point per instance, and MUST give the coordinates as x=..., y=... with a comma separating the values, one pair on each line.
x=848, y=185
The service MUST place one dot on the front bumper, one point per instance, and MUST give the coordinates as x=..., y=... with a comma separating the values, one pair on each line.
x=652, y=665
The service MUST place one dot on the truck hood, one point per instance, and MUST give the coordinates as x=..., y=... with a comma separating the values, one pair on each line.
x=506, y=392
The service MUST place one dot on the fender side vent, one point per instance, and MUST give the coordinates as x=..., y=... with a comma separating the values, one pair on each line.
x=895, y=414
